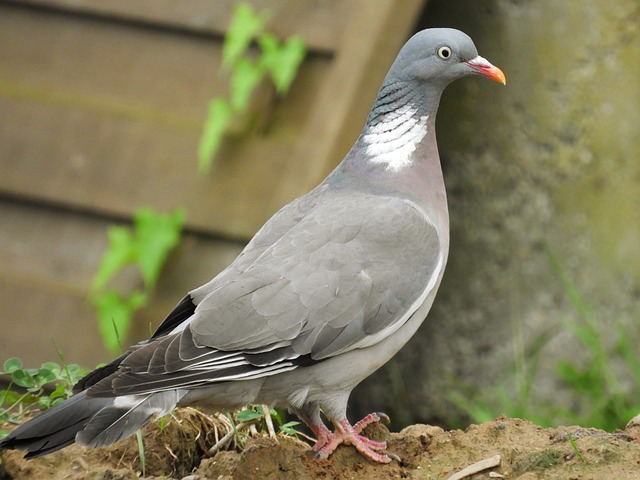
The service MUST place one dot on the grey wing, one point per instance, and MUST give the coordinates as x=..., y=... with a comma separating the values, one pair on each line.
x=347, y=274
x=281, y=222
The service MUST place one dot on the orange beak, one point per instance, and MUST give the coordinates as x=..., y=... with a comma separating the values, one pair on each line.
x=483, y=67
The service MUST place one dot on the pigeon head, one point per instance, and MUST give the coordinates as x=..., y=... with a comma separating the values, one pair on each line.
x=438, y=56
x=409, y=96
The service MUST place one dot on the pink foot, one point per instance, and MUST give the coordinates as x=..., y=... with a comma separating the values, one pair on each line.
x=323, y=435
x=350, y=435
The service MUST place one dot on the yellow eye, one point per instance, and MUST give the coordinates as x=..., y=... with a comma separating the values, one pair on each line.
x=444, y=52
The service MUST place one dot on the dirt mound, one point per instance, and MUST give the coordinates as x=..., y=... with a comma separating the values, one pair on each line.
x=525, y=451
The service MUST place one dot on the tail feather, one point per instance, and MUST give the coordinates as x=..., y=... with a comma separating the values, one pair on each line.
x=125, y=416
x=91, y=421
x=55, y=428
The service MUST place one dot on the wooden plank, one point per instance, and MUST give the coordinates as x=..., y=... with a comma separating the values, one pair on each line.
x=320, y=22
x=105, y=118
x=35, y=322
x=47, y=262
x=51, y=249
x=341, y=107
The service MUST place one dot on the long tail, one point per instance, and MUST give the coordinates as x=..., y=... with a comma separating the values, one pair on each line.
x=55, y=428
x=94, y=422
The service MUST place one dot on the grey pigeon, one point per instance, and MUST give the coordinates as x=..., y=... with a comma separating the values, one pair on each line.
x=328, y=290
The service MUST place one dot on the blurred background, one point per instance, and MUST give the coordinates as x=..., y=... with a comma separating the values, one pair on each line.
x=103, y=105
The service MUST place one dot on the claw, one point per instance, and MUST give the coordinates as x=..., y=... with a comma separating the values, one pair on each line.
x=315, y=455
x=395, y=457
x=347, y=434
x=383, y=417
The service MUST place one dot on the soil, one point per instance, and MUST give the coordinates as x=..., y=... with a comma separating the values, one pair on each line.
x=178, y=451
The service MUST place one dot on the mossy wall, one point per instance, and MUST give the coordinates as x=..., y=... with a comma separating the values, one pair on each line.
x=548, y=165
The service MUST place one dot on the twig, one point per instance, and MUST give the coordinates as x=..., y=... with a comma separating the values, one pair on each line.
x=221, y=443
x=269, y=421
x=308, y=437
x=476, y=467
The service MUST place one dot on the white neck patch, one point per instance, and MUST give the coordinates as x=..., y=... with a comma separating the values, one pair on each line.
x=393, y=140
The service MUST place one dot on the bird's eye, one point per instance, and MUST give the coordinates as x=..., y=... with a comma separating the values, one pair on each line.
x=444, y=52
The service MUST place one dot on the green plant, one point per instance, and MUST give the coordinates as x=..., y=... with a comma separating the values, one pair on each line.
x=162, y=423
x=141, y=453
x=574, y=446
x=146, y=246
x=513, y=396
x=601, y=396
x=279, y=60
x=257, y=414
x=602, y=399
x=41, y=387
x=249, y=421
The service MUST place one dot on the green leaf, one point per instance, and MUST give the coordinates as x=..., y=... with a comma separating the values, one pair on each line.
x=22, y=378
x=245, y=26
x=53, y=367
x=215, y=126
x=57, y=401
x=9, y=396
x=148, y=245
x=115, y=314
x=269, y=45
x=44, y=402
x=282, y=60
x=141, y=453
x=73, y=372
x=11, y=365
x=247, y=74
x=248, y=415
x=288, y=428
x=162, y=423
x=277, y=416
x=60, y=391
x=43, y=377
x=120, y=252
x=155, y=236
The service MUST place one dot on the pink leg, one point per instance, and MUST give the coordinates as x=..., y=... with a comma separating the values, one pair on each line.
x=347, y=434
x=323, y=435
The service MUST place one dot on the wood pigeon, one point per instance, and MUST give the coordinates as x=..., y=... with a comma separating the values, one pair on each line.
x=328, y=290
